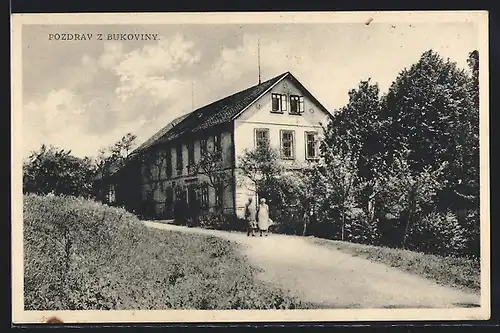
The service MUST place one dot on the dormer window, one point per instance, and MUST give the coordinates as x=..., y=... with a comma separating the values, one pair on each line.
x=278, y=102
x=296, y=104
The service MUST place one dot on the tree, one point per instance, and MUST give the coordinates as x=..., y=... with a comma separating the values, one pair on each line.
x=114, y=157
x=357, y=129
x=261, y=165
x=118, y=152
x=211, y=165
x=110, y=160
x=57, y=171
x=339, y=174
x=285, y=190
x=407, y=193
x=152, y=165
x=430, y=110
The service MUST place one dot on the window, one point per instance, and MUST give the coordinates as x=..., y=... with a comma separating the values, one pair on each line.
x=217, y=145
x=168, y=161
x=179, y=160
x=190, y=149
x=204, y=196
x=278, y=102
x=219, y=193
x=287, y=145
x=312, y=145
x=203, y=147
x=296, y=104
x=261, y=137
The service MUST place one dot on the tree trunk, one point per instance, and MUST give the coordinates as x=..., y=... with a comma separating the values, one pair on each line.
x=304, y=229
x=407, y=227
x=343, y=225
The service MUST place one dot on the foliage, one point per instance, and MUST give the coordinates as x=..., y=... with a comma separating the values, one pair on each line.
x=115, y=156
x=81, y=255
x=407, y=194
x=211, y=165
x=361, y=228
x=53, y=170
x=220, y=221
x=356, y=129
x=431, y=110
x=438, y=233
x=285, y=190
x=261, y=164
x=414, y=150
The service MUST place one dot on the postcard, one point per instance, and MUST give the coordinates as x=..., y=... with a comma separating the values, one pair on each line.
x=250, y=167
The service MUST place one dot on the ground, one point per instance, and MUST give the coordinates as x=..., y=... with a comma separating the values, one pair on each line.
x=328, y=278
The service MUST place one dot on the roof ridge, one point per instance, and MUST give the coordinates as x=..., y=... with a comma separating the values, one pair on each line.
x=199, y=114
x=240, y=91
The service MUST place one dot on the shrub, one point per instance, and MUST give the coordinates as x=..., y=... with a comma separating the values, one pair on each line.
x=360, y=229
x=438, y=233
x=221, y=221
x=82, y=255
x=472, y=229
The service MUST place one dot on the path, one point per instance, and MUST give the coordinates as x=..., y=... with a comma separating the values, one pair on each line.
x=332, y=279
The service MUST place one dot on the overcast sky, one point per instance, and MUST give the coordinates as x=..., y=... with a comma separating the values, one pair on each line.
x=84, y=95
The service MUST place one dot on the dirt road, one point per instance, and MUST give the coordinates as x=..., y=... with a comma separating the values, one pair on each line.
x=331, y=279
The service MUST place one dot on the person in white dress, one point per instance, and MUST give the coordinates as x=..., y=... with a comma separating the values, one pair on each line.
x=263, y=217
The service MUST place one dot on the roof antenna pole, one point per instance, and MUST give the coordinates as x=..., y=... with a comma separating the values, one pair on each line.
x=258, y=56
x=192, y=95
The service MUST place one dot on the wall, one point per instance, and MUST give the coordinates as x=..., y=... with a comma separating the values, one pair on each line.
x=259, y=115
x=157, y=182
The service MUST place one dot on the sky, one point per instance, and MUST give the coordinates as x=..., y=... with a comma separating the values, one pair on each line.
x=85, y=95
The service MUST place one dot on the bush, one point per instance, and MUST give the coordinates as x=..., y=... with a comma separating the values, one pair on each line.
x=359, y=229
x=220, y=221
x=437, y=233
x=82, y=255
x=472, y=233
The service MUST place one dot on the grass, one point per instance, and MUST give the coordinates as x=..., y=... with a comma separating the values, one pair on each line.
x=82, y=255
x=461, y=273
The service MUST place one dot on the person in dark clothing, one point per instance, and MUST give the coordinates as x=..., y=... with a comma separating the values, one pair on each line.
x=194, y=210
x=251, y=216
x=181, y=210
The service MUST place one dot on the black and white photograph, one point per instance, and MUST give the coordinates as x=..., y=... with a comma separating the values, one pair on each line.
x=246, y=167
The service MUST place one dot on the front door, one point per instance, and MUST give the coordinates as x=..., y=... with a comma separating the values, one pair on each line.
x=192, y=197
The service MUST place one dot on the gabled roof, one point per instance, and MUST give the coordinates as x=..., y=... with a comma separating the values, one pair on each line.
x=216, y=113
x=219, y=112
x=160, y=133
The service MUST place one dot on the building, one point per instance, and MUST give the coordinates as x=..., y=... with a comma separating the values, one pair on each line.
x=165, y=168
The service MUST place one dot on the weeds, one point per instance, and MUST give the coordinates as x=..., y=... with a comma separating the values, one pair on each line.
x=82, y=255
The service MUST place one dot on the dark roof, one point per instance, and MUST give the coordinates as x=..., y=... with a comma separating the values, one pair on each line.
x=160, y=133
x=216, y=113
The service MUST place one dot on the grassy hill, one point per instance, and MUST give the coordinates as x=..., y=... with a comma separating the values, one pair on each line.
x=82, y=255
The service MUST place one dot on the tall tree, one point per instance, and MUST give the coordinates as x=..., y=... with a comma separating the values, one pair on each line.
x=114, y=156
x=430, y=109
x=356, y=129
